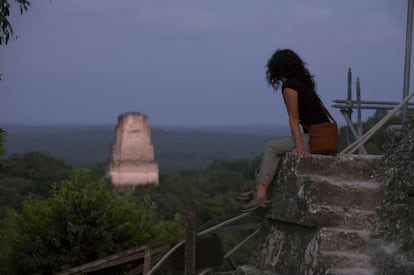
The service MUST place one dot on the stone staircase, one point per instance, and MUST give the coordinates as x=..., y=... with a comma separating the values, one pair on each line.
x=322, y=219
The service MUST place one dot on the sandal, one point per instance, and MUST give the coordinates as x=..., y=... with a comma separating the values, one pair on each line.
x=255, y=203
x=244, y=196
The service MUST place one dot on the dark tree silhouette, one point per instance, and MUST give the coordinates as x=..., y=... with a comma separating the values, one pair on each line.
x=6, y=29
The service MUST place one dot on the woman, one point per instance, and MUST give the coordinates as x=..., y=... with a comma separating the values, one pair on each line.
x=304, y=107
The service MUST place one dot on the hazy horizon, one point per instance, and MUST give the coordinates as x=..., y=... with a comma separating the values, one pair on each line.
x=191, y=147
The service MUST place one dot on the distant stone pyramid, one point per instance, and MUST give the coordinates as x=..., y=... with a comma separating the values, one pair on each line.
x=132, y=161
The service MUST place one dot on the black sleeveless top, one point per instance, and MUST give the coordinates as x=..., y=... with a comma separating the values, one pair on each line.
x=310, y=109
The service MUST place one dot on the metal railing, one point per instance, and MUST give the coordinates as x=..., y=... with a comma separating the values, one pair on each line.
x=204, y=232
x=348, y=105
x=365, y=137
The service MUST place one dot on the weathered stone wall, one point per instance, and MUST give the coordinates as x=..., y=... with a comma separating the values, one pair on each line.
x=349, y=214
x=322, y=217
x=132, y=161
x=397, y=210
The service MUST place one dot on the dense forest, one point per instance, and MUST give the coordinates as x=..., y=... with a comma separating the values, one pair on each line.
x=54, y=214
x=71, y=213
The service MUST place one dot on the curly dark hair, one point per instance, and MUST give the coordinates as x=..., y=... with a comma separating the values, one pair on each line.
x=286, y=63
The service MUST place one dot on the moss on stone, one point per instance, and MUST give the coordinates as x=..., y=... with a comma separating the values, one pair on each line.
x=396, y=214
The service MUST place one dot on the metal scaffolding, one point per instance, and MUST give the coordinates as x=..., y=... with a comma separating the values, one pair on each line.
x=346, y=106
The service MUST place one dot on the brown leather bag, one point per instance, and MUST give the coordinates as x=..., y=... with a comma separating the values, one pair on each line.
x=323, y=137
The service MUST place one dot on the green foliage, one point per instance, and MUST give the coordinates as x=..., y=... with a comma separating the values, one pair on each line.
x=13, y=191
x=81, y=221
x=30, y=173
x=3, y=135
x=43, y=170
x=211, y=190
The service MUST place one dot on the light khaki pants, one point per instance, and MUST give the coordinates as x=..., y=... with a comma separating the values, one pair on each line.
x=275, y=149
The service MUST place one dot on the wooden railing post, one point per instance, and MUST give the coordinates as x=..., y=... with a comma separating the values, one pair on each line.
x=190, y=242
x=147, y=261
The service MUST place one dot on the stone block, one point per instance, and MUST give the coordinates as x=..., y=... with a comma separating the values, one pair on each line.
x=351, y=271
x=325, y=190
x=345, y=167
x=322, y=216
x=319, y=197
x=284, y=247
x=344, y=260
x=250, y=270
x=342, y=239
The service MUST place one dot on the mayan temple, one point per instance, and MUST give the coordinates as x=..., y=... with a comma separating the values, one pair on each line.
x=132, y=161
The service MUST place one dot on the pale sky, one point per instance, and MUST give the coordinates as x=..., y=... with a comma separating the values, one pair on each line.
x=192, y=63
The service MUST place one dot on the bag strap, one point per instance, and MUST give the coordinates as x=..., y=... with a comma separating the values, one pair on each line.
x=327, y=113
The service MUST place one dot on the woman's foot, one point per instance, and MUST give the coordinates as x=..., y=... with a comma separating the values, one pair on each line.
x=255, y=203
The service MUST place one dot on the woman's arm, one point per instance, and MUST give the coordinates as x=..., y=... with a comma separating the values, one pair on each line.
x=290, y=97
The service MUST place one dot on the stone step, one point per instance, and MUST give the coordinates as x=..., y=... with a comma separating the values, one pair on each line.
x=343, y=239
x=317, y=215
x=352, y=167
x=336, y=216
x=248, y=270
x=351, y=271
x=340, y=260
x=332, y=191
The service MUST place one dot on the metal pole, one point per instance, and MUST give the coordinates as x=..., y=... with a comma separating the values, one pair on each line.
x=368, y=107
x=359, y=123
x=352, y=128
x=241, y=243
x=349, y=110
x=343, y=101
x=408, y=42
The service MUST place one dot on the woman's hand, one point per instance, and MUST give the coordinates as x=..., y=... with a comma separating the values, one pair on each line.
x=302, y=152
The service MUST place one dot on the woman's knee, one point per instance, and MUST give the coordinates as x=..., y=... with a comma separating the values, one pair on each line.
x=280, y=146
